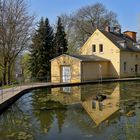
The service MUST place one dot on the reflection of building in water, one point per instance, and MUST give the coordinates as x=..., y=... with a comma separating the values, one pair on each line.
x=66, y=89
x=98, y=111
x=66, y=95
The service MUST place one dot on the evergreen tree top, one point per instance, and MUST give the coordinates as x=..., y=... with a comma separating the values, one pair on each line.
x=60, y=41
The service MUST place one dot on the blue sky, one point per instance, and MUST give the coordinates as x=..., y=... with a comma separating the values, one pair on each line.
x=128, y=11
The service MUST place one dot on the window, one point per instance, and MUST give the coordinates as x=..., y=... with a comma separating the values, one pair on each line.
x=124, y=66
x=101, y=48
x=94, y=48
x=123, y=44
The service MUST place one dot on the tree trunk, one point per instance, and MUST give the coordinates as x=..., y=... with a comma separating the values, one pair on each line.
x=4, y=73
x=4, y=77
x=9, y=74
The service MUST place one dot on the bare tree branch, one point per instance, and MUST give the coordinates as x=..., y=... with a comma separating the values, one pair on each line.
x=81, y=24
x=16, y=26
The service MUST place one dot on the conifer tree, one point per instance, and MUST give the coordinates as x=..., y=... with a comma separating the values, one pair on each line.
x=60, y=41
x=33, y=63
x=41, y=50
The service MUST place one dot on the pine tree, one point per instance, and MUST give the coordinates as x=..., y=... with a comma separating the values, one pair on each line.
x=41, y=50
x=60, y=41
x=33, y=63
x=45, y=50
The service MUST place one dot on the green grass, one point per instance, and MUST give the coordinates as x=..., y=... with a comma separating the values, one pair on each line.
x=7, y=86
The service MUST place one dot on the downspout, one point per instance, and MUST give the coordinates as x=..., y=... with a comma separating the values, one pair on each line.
x=120, y=65
x=81, y=66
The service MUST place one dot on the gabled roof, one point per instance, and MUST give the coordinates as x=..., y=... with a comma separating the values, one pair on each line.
x=88, y=58
x=116, y=38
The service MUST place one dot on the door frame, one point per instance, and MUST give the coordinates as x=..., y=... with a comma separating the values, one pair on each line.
x=61, y=72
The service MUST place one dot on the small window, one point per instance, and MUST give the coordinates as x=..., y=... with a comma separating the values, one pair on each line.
x=101, y=47
x=123, y=44
x=94, y=48
x=124, y=66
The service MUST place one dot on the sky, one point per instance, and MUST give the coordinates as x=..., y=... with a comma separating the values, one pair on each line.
x=128, y=11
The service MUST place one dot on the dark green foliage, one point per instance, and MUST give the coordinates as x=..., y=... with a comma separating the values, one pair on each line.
x=41, y=50
x=60, y=41
x=45, y=47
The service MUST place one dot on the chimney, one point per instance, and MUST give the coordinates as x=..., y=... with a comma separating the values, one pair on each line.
x=107, y=28
x=117, y=30
x=131, y=35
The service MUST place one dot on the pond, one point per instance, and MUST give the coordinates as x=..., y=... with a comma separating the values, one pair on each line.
x=74, y=113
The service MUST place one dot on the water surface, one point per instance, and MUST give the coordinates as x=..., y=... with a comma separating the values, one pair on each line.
x=72, y=113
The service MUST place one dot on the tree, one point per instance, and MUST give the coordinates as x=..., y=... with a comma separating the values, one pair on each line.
x=82, y=23
x=41, y=50
x=25, y=66
x=16, y=25
x=60, y=41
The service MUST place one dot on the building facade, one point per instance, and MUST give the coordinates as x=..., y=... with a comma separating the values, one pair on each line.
x=105, y=54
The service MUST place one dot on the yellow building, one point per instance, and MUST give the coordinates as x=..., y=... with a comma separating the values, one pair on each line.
x=106, y=54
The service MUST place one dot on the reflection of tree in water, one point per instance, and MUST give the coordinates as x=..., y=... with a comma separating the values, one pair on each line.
x=45, y=118
x=61, y=116
x=15, y=123
x=129, y=126
x=46, y=110
x=78, y=116
x=19, y=120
